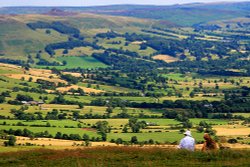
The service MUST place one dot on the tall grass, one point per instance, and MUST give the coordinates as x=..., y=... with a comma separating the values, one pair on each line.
x=125, y=156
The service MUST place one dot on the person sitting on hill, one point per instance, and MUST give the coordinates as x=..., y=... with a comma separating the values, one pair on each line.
x=209, y=143
x=187, y=142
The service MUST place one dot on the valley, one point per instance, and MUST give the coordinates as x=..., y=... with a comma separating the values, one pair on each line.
x=94, y=78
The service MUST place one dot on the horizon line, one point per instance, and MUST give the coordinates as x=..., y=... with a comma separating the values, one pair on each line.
x=139, y=4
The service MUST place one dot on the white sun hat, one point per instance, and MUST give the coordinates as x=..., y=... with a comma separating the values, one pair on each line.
x=188, y=133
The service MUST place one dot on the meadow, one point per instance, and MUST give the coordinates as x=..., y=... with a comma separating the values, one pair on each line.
x=78, y=61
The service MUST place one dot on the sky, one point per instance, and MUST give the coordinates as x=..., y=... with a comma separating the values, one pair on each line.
x=98, y=2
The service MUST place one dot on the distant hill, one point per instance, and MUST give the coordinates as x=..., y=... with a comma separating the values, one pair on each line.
x=185, y=15
x=18, y=41
x=231, y=24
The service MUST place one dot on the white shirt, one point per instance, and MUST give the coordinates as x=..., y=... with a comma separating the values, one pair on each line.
x=187, y=143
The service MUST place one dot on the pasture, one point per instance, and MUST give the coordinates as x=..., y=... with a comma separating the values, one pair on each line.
x=78, y=61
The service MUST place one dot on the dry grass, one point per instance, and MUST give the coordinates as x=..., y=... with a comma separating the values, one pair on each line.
x=59, y=106
x=232, y=130
x=73, y=74
x=86, y=90
x=34, y=73
x=34, y=78
x=165, y=58
x=58, y=142
x=10, y=66
x=137, y=42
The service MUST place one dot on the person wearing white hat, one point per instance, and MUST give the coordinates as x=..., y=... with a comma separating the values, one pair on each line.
x=187, y=142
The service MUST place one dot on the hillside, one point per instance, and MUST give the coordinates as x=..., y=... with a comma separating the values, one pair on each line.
x=184, y=15
x=19, y=42
x=61, y=39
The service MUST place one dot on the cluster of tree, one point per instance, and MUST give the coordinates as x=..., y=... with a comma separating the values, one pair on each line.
x=134, y=125
x=93, y=116
x=56, y=25
x=136, y=37
x=202, y=27
x=112, y=102
x=55, y=115
x=109, y=35
x=102, y=128
x=123, y=52
x=68, y=45
x=27, y=133
x=193, y=109
x=168, y=30
x=78, y=91
x=43, y=62
x=115, y=42
x=11, y=141
x=20, y=114
x=27, y=88
x=15, y=62
x=2, y=99
x=134, y=140
x=75, y=137
x=202, y=125
x=215, y=67
x=158, y=33
x=196, y=47
x=133, y=94
x=60, y=100
x=227, y=116
x=134, y=68
x=44, y=84
x=20, y=97
x=70, y=78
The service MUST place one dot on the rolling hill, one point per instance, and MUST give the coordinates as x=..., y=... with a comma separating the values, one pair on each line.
x=18, y=41
x=184, y=15
x=213, y=33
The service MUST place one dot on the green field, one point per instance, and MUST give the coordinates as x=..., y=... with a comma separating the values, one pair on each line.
x=78, y=61
x=161, y=137
x=161, y=132
x=53, y=130
x=109, y=88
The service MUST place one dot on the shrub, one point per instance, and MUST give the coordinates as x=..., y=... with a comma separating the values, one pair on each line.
x=134, y=140
x=11, y=141
x=232, y=141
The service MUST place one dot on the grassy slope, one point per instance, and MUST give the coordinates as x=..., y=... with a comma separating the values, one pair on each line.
x=124, y=156
x=181, y=15
x=17, y=40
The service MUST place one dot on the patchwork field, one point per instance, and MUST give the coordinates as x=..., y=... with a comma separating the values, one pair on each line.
x=86, y=89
